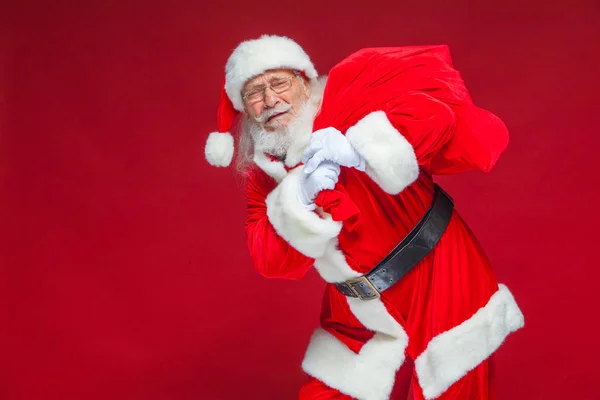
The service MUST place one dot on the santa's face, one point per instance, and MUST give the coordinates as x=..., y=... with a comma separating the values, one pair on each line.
x=274, y=99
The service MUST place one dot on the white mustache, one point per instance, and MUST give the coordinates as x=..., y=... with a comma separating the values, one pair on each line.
x=272, y=111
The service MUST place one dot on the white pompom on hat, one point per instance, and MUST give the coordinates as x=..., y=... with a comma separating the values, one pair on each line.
x=250, y=59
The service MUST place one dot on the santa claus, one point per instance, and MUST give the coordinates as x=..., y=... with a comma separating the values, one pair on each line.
x=338, y=175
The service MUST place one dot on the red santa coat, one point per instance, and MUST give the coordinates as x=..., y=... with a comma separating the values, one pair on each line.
x=407, y=112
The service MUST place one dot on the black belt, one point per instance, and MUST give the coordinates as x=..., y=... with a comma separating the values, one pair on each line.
x=412, y=249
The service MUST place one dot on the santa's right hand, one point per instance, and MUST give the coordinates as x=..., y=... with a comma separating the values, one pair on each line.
x=324, y=177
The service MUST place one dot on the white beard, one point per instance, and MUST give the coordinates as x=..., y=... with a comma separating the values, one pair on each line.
x=287, y=141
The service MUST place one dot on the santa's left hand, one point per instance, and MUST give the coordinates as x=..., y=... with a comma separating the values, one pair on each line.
x=329, y=144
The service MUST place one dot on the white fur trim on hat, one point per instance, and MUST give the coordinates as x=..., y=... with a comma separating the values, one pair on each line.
x=219, y=149
x=254, y=57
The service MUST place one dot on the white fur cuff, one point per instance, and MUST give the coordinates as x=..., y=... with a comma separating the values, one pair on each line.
x=302, y=229
x=368, y=375
x=452, y=354
x=391, y=160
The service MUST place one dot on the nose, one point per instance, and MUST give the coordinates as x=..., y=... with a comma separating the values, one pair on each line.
x=271, y=98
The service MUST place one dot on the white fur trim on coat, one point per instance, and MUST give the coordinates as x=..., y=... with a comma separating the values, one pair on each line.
x=219, y=149
x=374, y=315
x=304, y=230
x=391, y=160
x=275, y=169
x=332, y=266
x=368, y=375
x=254, y=57
x=452, y=354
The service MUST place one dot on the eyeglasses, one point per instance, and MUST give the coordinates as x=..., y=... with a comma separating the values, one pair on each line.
x=278, y=86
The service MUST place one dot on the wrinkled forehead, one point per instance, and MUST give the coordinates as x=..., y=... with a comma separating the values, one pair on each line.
x=268, y=76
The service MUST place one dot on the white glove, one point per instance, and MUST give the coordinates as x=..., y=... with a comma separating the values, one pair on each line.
x=329, y=144
x=324, y=177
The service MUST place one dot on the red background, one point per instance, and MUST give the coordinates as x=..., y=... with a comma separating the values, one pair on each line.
x=123, y=267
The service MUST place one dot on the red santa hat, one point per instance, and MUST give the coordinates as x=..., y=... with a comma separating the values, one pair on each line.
x=250, y=59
